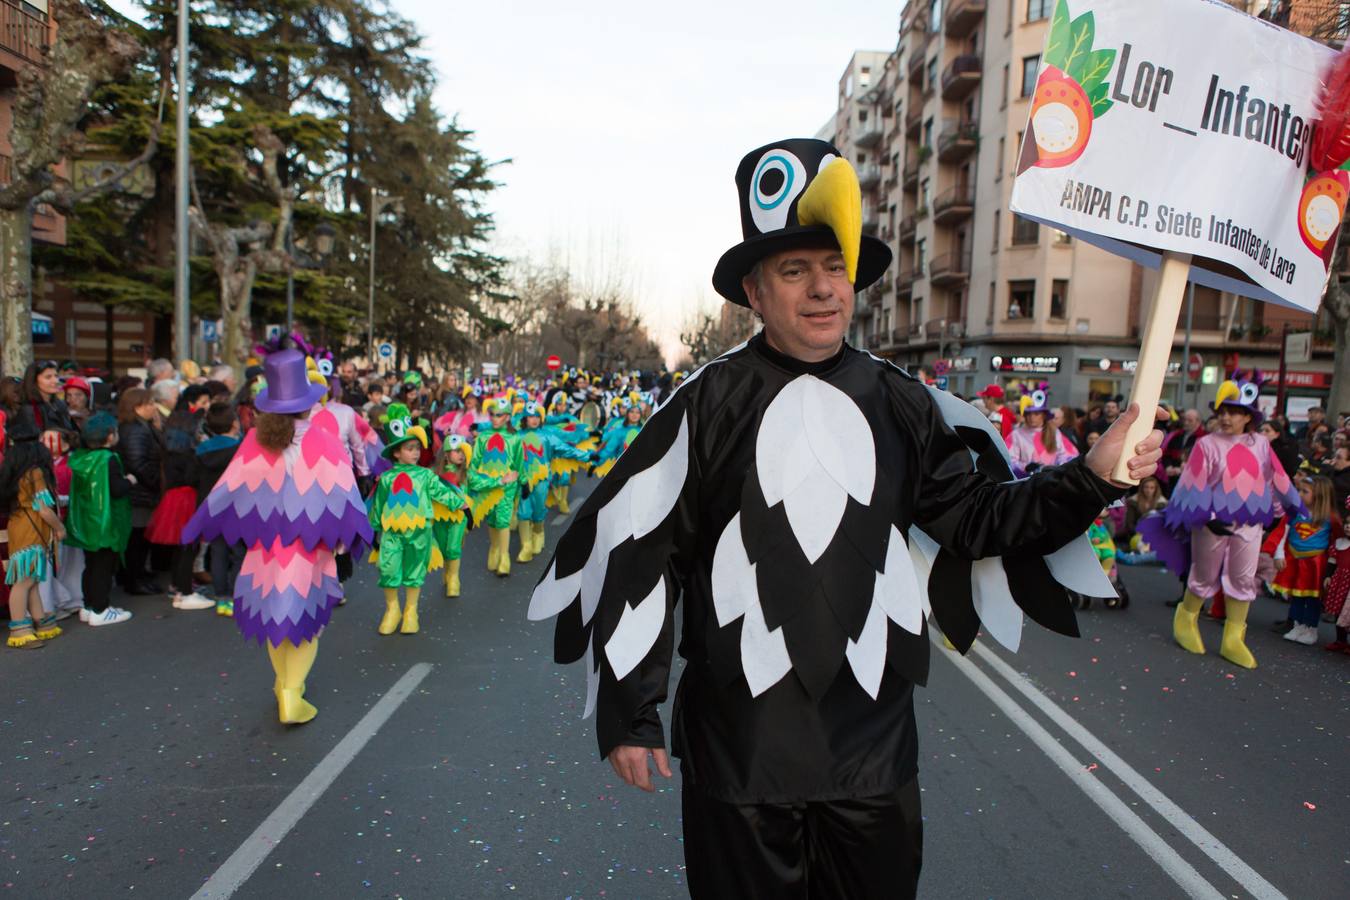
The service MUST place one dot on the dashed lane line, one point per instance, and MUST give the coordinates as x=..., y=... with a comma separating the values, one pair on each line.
x=245, y=861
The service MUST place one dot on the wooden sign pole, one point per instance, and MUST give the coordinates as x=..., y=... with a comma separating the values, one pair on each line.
x=1155, y=351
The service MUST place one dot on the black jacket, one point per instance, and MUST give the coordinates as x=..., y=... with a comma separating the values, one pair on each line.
x=775, y=499
x=142, y=451
x=213, y=457
x=180, y=450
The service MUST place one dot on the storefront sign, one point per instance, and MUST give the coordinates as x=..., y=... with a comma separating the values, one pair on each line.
x=1025, y=365
x=1121, y=366
x=963, y=364
x=1184, y=126
x=1314, y=380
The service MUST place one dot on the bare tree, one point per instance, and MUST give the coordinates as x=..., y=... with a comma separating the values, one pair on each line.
x=50, y=100
x=708, y=335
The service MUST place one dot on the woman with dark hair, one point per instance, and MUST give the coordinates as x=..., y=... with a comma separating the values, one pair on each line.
x=43, y=403
x=1066, y=420
x=143, y=455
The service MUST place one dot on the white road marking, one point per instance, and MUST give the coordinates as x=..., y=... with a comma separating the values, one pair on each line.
x=559, y=519
x=245, y=861
x=1191, y=881
x=1178, y=818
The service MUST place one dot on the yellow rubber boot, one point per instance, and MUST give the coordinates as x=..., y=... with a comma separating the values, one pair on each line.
x=392, y=614
x=538, y=538
x=451, y=578
x=494, y=550
x=562, y=499
x=292, y=707
x=526, y=542
x=1186, y=623
x=504, y=551
x=1234, y=646
x=410, y=624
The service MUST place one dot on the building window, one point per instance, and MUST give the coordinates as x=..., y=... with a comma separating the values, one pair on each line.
x=1025, y=231
x=862, y=117
x=1004, y=103
x=993, y=303
x=935, y=16
x=862, y=159
x=1002, y=148
x=920, y=251
x=928, y=134
x=865, y=78
x=1059, y=298
x=1030, y=65
x=1021, y=299
x=932, y=75
x=1062, y=237
x=924, y=187
x=1039, y=9
x=997, y=222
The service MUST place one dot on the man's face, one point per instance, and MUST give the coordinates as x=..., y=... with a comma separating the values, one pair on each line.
x=170, y=400
x=1316, y=417
x=1190, y=420
x=1111, y=410
x=348, y=372
x=1341, y=460
x=806, y=301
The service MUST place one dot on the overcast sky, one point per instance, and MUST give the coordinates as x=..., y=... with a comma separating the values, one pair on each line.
x=624, y=121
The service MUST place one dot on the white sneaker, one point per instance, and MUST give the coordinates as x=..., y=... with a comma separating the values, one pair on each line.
x=1294, y=633
x=84, y=615
x=1308, y=637
x=192, y=601
x=110, y=616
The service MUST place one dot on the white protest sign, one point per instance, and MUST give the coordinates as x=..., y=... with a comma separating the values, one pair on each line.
x=1184, y=126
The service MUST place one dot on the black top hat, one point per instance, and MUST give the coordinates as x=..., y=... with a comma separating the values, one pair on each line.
x=786, y=203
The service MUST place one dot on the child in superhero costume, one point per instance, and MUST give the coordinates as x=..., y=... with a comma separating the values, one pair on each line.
x=495, y=466
x=289, y=494
x=403, y=510
x=1300, y=548
x=540, y=448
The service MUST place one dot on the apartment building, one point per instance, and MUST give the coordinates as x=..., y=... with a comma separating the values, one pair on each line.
x=978, y=294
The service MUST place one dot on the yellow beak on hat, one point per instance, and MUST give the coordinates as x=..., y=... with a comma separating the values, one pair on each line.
x=834, y=199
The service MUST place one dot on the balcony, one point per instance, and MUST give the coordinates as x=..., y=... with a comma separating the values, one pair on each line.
x=910, y=178
x=22, y=32
x=904, y=283
x=871, y=220
x=917, y=54
x=962, y=17
x=869, y=134
x=961, y=76
x=954, y=205
x=869, y=176
x=914, y=121
x=949, y=269
x=908, y=227
x=899, y=336
x=873, y=341
x=958, y=139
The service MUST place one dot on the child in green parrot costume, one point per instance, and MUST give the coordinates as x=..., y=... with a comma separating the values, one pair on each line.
x=540, y=448
x=619, y=433
x=403, y=510
x=494, y=472
x=568, y=428
x=453, y=467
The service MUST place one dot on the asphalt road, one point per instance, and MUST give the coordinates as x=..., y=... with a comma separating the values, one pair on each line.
x=138, y=758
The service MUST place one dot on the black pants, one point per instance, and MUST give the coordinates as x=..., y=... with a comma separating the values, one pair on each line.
x=180, y=571
x=832, y=850
x=99, y=568
x=138, y=551
x=224, y=561
x=345, y=567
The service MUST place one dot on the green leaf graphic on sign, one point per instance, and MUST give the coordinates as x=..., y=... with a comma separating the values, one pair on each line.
x=1057, y=46
x=1097, y=67
x=1080, y=45
x=1099, y=99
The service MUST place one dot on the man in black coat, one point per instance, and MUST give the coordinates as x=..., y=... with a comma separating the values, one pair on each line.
x=797, y=495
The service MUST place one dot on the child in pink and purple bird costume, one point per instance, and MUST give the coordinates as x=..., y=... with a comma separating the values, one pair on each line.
x=1231, y=487
x=290, y=496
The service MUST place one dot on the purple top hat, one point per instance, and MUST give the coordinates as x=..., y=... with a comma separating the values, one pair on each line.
x=289, y=389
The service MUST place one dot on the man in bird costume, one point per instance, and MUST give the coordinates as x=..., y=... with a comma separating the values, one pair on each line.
x=403, y=510
x=497, y=464
x=540, y=449
x=797, y=495
x=1230, y=489
x=289, y=495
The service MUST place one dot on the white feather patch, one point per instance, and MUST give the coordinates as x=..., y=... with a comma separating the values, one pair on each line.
x=994, y=603
x=614, y=521
x=897, y=589
x=733, y=576
x=840, y=438
x=637, y=631
x=552, y=595
x=783, y=456
x=593, y=581
x=592, y=682
x=1076, y=567
x=764, y=655
x=814, y=511
x=867, y=657
x=922, y=551
x=655, y=489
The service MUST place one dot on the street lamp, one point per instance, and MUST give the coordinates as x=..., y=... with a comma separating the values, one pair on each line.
x=323, y=238
x=378, y=202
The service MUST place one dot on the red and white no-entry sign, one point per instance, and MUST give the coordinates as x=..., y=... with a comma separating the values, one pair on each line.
x=1197, y=363
x=554, y=363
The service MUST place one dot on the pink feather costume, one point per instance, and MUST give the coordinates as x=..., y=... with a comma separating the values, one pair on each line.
x=293, y=510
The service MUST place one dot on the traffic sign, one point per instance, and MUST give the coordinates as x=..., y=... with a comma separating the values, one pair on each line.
x=492, y=369
x=210, y=330
x=273, y=332
x=941, y=366
x=1298, y=347
x=1197, y=365
x=386, y=350
x=554, y=363
x=940, y=382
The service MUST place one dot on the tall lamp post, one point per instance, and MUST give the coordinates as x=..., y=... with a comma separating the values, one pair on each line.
x=323, y=239
x=378, y=202
x=181, y=307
